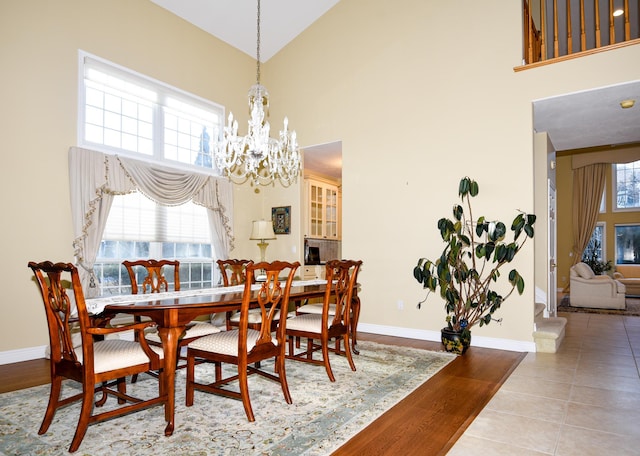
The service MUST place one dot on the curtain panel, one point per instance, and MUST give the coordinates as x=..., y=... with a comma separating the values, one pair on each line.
x=588, y=185
x=96, y=177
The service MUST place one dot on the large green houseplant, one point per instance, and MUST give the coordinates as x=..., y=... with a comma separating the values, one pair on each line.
x=467, y=272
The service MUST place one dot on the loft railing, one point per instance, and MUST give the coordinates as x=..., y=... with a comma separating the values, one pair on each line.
x=555, y=29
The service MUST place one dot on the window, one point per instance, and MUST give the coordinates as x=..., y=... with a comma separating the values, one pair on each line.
x=627, y=244
x=139, y=228
x=595, y=247
x=595, y=254
x=627, y=185
x=126, y=113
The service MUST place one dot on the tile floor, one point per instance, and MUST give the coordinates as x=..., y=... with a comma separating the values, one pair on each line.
x=583, y=400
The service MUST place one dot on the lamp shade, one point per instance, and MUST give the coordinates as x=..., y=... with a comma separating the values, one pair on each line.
x=262, y=229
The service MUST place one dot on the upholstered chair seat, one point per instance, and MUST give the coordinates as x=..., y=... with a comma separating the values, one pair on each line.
x=307, y=322
x=316, y=308
x=226, y=342
x=198, y=329
x=113, y=354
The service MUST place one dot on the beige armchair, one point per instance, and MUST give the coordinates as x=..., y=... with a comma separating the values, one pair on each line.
x=590, y=290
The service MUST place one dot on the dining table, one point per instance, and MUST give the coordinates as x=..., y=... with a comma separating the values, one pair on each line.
x=173, y=311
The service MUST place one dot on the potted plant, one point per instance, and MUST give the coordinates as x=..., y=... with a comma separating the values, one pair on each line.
x=467, y=272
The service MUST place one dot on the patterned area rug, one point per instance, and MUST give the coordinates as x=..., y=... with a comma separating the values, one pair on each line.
x=322, y=417
x=632, y=310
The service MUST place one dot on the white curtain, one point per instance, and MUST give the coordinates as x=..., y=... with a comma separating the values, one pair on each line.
x=96, y=177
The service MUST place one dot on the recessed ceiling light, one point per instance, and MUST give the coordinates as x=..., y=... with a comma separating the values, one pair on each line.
x=618, y=12
x=625, y=104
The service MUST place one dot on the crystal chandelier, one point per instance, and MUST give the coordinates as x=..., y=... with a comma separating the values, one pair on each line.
x=257, y=156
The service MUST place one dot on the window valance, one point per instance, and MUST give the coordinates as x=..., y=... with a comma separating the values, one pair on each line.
x=618, y=155
x=96, y=177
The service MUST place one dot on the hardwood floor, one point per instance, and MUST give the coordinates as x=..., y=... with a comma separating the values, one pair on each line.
x=430, y=420
x=24, y=375
x=425, y=423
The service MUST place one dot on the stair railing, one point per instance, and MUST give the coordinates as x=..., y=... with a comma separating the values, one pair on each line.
x=600, y=27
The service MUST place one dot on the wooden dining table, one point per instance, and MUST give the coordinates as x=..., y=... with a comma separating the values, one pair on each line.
x=173, y=311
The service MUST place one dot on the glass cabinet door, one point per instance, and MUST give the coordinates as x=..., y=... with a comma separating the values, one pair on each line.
x=316, y=210
x=322, y=206
x=331, y=213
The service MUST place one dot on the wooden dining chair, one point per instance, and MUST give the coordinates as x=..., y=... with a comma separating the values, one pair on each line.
x=334, y=322
x=148, y=276
x=316, y=308
x=99, y=365
x=244, y=346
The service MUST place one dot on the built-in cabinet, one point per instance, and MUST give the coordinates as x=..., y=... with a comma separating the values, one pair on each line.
x=323, y=211
x=312, y=272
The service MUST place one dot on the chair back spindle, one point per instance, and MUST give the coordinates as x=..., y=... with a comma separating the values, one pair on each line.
x=272, y=299
x=341, y=277
x=59, y=309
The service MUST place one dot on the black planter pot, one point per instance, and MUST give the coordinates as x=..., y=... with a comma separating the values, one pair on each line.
x=456, y=341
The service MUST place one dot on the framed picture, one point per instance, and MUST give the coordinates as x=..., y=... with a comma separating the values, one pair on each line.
x=281, y=218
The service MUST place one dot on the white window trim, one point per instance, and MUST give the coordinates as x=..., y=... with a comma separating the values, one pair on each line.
x=142, y=80
x=614, y=193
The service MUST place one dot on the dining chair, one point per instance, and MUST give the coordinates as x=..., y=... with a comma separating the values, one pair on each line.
x=333, y=322
x=99, y=365
x=316, y=308
x=245, y=346
x=148, y=276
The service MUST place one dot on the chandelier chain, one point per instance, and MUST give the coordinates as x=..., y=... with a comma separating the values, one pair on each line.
x=258, y=47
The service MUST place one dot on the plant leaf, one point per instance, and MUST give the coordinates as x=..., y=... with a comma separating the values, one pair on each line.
x=473, y=188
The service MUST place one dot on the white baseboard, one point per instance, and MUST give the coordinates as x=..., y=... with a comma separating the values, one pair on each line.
x=27, y=354
x=476, y=341
x=22, y=354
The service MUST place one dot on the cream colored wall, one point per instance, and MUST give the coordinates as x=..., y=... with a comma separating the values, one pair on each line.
x=415, y=103
x=251, y=205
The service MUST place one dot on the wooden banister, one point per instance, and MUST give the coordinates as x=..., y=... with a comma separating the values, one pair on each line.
x=539, y=14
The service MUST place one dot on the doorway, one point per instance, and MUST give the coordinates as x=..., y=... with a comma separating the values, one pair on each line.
x=322, y=201
x=602, y=122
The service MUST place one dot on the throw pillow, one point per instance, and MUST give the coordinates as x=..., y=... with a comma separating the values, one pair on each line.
x=584, y=271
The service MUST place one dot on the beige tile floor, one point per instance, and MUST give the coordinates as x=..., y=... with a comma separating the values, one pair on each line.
x=583, y=400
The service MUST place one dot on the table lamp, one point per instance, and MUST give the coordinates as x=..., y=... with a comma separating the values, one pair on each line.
x=262, y=230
